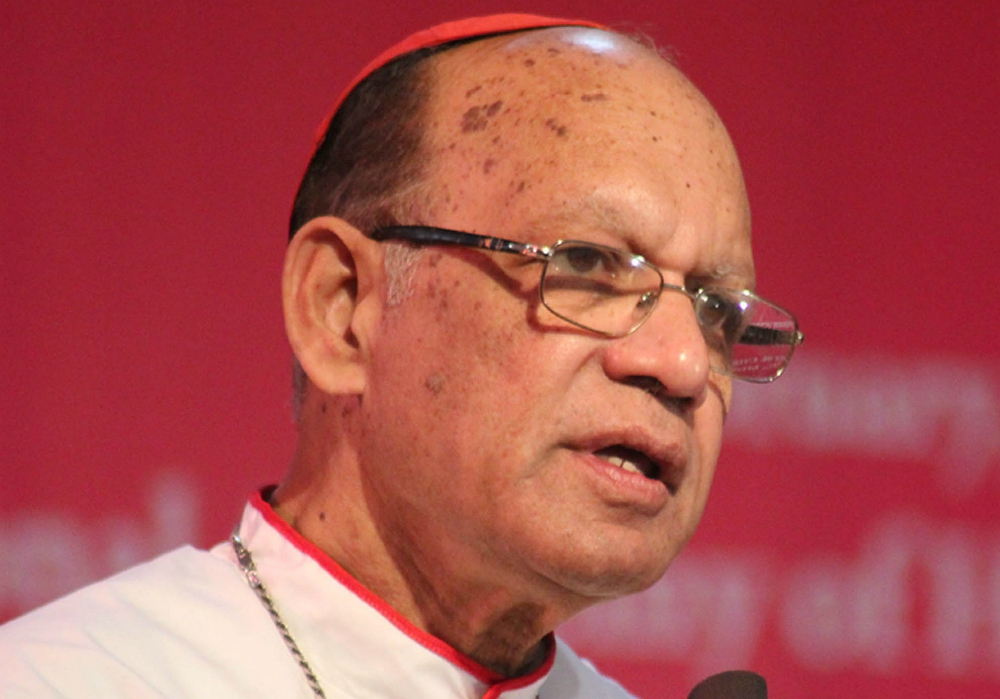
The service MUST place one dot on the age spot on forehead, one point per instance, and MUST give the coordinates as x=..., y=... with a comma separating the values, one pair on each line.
x=473, y=120
x=478, y=118
x=559, y=129
x=593, y=97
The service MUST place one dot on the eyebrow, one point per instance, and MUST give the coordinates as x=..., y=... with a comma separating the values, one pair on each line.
x=592, y=210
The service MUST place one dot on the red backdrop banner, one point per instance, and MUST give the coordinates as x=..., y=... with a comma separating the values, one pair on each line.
x=852, y=545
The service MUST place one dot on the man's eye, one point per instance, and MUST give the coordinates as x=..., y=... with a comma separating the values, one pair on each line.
x=714, y=309
x=585, y=260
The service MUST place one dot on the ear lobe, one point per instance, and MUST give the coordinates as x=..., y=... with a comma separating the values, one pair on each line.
x=331, y=289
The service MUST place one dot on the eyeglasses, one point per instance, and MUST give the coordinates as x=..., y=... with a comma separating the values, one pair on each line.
x=612, y=292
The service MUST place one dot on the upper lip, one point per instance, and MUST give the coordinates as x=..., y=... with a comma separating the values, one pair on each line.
x=668, y=458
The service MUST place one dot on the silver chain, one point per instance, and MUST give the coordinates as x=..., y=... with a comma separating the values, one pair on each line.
x=246, y=563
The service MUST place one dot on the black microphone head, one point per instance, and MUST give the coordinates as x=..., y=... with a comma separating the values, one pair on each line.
x=734, y=684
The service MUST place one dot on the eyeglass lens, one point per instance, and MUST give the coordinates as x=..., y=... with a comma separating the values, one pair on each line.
x=599, y=288
x=765, y=342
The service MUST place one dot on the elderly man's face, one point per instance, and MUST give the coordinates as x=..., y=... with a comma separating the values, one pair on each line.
x=496, y=429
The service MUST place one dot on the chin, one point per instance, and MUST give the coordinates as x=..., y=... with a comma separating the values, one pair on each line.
x=614, y=572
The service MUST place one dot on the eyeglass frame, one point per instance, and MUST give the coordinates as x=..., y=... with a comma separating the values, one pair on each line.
x=433, y=235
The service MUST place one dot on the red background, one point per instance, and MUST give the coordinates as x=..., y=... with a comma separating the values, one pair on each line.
x=148, y=157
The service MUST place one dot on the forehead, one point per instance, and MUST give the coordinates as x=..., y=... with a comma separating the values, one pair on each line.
x=583, y=128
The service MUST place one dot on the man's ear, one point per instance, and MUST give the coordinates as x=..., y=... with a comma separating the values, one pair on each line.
x=331, y=291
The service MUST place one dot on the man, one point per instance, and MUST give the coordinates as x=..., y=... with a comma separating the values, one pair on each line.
x=498, y=427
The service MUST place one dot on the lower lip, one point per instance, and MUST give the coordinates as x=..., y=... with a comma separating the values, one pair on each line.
x=620, y=487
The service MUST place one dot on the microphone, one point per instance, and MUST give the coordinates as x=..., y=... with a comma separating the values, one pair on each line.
x=733, y=684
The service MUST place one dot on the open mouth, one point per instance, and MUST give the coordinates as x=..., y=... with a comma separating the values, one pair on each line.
x=630, y=460
x=656, y=460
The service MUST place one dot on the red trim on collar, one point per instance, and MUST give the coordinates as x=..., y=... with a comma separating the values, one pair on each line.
x=467, y=28
x=432, y=643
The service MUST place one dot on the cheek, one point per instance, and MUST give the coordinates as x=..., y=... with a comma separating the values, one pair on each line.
x=480, y=332
x=453, y=354
x=461, y=359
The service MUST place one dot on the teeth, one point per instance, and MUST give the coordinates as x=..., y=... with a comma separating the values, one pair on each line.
x=631, y=468
x=622, y=463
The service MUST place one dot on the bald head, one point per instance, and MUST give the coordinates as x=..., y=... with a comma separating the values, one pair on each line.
x=510, y=113
x=371, y=157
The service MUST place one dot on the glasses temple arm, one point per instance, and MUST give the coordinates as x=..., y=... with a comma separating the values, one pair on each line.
x=430, y=235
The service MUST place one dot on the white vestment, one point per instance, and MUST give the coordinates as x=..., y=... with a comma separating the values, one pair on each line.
x=188, y=625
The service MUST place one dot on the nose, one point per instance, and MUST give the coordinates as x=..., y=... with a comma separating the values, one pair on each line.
x=669, y=348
